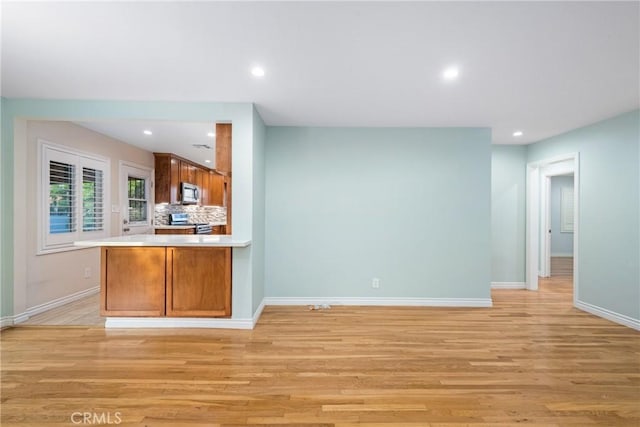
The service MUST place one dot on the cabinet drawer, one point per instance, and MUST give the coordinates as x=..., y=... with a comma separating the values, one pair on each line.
x=175, y=231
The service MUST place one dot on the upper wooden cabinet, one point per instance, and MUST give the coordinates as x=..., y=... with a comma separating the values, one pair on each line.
x=223, y=147
x=172, y=170
x=188, y=172
x=215, y=185
x=216, y=189
x=167, y=185
x=203, y=181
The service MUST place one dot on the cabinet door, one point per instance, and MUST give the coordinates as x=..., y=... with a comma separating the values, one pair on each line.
x=223, y=147
x=216, y=191
x=167, y=171
x=133, y=281
x=203, y=183
x=198, y=282
x=187, y=172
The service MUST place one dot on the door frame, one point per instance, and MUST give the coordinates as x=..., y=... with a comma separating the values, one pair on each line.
x=537, y=217
x=123, y=197
x=562, y=168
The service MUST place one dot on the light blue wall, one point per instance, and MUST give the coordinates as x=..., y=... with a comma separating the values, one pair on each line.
x=258, y=239
x=5, y=295
x=408, y=206
x=240, y=114
x=609, y=239
x=561, y=243
x=508, y=200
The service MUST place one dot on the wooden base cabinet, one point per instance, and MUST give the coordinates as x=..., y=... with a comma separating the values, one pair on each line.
x=171, y=281
x=191, y=230
x=198, y=282
x=133, y=281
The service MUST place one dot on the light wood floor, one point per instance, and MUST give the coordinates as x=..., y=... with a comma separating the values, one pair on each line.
x=531, y=360
x=561, y=266
x=86, y=312
x=83, y=312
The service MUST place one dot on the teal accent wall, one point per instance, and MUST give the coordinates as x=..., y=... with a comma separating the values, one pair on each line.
x=240, y=114
x=508, y=219
x=408, y=206
x=609, y=233
x=258, y=235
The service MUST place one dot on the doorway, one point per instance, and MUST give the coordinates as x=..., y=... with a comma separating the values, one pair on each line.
x=539, y=220
x=559, y=256
x=136, y=199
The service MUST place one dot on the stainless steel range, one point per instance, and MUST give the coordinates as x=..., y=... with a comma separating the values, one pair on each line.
x=183, y=219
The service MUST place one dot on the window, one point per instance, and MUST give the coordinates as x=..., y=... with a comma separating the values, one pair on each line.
x=73, y=199
x=137, y=189
x=566, y=210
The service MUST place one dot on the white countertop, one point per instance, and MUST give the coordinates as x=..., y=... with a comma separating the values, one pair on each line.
x=185, y=227
x=203, y=240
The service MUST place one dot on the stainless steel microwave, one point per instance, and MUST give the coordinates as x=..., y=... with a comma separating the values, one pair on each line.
x=190, y=193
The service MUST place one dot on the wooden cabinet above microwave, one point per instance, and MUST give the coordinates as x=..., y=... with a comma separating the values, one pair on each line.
x=171, y=172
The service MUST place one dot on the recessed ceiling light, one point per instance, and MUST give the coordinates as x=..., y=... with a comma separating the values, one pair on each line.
x=147, y=132
x=517, y=133
x=257, y=71
x=451, y=73
x=211, y=134
x=207, y=161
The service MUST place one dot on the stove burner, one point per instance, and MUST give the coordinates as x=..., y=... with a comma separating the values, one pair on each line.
x=183, y=219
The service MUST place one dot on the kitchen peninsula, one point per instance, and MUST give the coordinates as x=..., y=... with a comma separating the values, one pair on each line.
x=162, y=276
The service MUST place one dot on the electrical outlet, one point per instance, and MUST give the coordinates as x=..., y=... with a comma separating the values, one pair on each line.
x=375, y=283
x=87, y=272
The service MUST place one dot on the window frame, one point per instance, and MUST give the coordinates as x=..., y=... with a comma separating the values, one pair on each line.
x=147, y=200
x=567, y=198
x=48, y=242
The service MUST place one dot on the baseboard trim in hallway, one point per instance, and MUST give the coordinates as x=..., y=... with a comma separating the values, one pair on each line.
x=507, y=285
x=621, y=319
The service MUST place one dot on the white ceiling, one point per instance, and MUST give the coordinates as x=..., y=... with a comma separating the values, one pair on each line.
x=540, y=67
x=167, y=137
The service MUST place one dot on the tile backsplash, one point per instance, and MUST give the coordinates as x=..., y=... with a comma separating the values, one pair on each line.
x=197, y=214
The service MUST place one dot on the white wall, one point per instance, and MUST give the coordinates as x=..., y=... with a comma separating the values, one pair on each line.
x=51, y=276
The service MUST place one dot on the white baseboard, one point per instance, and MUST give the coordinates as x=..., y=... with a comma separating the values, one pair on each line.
x=609, y=315
x=175, y=322
x=413, y=302
x=6, y=321
x=41, y=308
x=258, y=313
x=507, y=285
x=562, y=255
x=184, y=322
